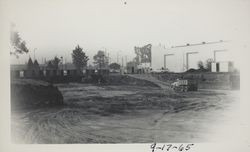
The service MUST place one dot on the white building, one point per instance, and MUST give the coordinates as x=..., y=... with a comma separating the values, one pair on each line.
x=183, y=57
x=222, y=67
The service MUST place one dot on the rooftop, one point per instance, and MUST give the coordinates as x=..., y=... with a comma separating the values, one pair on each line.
x=202, y=43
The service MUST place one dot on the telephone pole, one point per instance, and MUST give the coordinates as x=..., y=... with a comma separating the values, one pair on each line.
x=122, y=61
x=34, y=53
x=126, y=61
x=117, y=57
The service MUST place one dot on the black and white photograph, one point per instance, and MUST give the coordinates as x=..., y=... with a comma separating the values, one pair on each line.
x=125, y=71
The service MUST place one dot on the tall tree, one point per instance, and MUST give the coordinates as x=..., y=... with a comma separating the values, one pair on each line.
x=101, y=60
x=209, y=64
x=79, y=58
x=143, y=54
x=114, y=66
x=30, y=64
x=36, y=64
x=54, y=63
x=19, y=45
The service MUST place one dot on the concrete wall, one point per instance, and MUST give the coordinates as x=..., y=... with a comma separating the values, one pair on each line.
x=157, y=55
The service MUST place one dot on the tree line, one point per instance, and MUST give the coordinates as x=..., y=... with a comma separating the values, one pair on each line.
x=79, y=57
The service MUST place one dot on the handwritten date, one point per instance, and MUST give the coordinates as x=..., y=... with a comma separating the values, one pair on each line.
x=170, y=147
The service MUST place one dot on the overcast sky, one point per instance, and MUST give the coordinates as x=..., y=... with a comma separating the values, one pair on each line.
x=55, y=27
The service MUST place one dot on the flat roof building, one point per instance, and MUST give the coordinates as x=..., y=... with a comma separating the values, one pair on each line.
x=183, y=57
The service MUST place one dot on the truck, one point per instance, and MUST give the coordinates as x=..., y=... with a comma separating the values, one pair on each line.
x=182, y=85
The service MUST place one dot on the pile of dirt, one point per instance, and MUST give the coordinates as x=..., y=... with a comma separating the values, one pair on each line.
x=206, y=80
x=30, y=93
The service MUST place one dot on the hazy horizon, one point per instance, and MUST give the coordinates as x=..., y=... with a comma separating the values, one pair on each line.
x=56, y=27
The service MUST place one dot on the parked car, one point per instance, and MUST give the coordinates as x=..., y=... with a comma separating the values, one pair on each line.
x=184, y=85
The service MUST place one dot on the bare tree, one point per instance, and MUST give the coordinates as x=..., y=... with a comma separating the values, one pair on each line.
x=143, y=54
x=19, y=45
x=101, y=60
x=200, y=65
x=209, y=64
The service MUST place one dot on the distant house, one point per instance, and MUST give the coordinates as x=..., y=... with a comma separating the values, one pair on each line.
x=225, y=66
x=18, y=70
x=34, y=70
x=31, y=69
x=132, y=67
x=144, y=68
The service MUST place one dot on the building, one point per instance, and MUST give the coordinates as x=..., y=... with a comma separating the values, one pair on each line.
x=222, y=67
x=184, y=57
x=34, y=70
x=132, y=67
x=31, y=70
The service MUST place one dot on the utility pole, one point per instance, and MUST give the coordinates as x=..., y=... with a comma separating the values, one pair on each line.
x=65, y=63
x=108, y=58
x=122, y=61
x=62, y=62
x=126, y=60
x=187, y=61
x=117, y=57
x=106, y=62
x=165, y=55
x=34, y=53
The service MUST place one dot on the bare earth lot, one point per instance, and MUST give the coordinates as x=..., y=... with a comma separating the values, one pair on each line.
x=127, y=114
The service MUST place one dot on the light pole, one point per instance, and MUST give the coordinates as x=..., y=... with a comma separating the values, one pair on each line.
x=126, y=60
x=34, y=53
x=62, y=62
x=117, y=57
x=122, y=61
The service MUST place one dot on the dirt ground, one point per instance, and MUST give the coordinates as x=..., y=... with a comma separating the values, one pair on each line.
x=127, y=114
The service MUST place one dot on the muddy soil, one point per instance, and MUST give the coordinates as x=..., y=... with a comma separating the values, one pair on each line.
x=126, y=114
